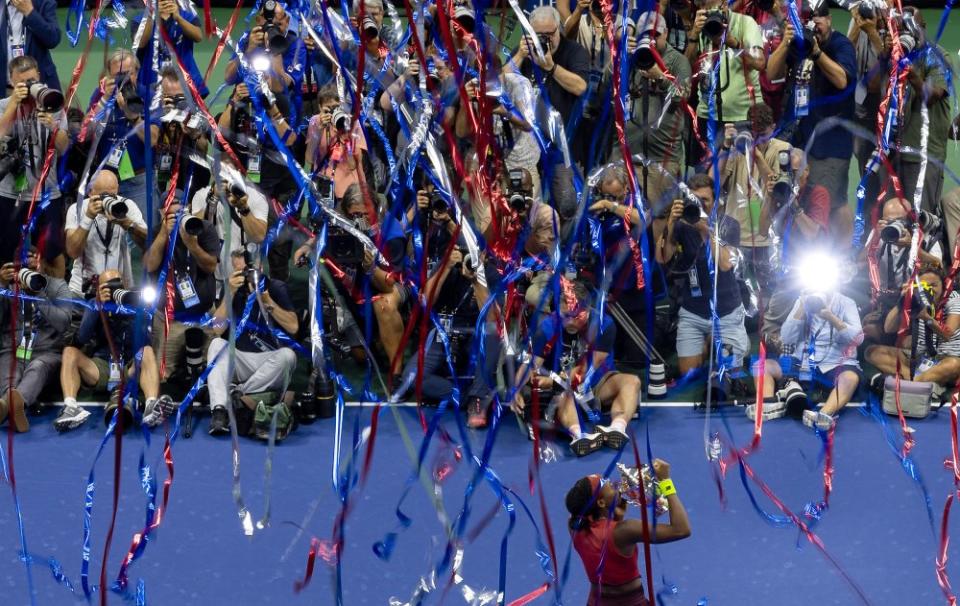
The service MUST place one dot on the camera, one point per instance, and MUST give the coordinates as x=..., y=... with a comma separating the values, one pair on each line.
x=250, y=270
x=274, y=38
x=814, y=302
x=692, y=210
x=11, y=158
x=911, y=34
x=783, y=186
x=48, y=99
x=340, y=120
x=114, y=206
x=128, y=90
x=236, y=188
x=120, y=295
x=517, y=197
x=870, y=9
x=895, y=230
x=370, y=27
x=545, y=40
x=437, y=203
x=325, y=191
x=764, y=5
x=177, y=102
x=31, y=281
x=343, y=248
x=716, y=23
x=923, y=299
x=806, y=35
x=645, y=53
x=192, y=225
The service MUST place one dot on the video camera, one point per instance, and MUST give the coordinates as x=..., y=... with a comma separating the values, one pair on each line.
x=48, y=99
x=898, y=229
x=275, y=40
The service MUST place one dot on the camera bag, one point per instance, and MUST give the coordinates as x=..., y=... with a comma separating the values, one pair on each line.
x=915, y=398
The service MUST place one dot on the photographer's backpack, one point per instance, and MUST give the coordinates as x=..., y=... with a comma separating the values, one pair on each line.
x=255, y=414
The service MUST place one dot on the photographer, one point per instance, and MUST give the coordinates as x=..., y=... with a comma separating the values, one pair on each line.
x=255, y=148
x=30, y=28
x=28, y=118
x=563, y=71
x=359, y=267
x=89, y=361
x=96, y=232
x=866, y=33
x=770, y=161
x=182, y=26
x=336, y=148
x=454, y=295
x=183, y=133
x=657, y=124
x=740, y=61
x=271, y=36
x=245, y=213
x=261, y=363
x=823, y=332
x=932, y=350
x=926, y=85
x=686, y=245
x=820, y=66
x=34, y=347
x=122, y=135
x=889, y=242
x=578, y=345
x=191, y=270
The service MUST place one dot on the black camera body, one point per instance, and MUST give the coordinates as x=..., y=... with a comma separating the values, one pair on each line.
x=128, y=91
x=783, y=186
x=341, y=119
x=518, y=198
x=118, y=294
x=692, y=210
x=274, y=39
x=343, y=247
x=716, y=23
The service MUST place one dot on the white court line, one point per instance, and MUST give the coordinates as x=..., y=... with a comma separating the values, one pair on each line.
x=648, y=404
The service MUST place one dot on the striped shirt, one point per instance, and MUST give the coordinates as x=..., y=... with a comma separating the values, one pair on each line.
x=943, y=347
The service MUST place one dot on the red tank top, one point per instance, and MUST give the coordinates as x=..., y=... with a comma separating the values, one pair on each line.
x=595, y=546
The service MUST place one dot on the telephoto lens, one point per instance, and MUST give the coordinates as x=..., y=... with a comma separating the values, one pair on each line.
x=193, y=225
x=657, y=385
x=341, y=120
x=370, y=28
x=692, y=211
x=644, y=53
x=48, y=99
x=894, y=231
x=194, y=340
x=126, y=298
x=31, y=281
x=715, y=24
x=114, y=206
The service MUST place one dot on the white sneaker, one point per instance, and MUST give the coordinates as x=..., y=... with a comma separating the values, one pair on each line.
x=157, y=411
x=820, y=420
x=70, y=417
x=771, y=410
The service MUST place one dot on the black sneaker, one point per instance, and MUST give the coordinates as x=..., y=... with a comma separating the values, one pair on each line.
x=877, y=382
x=219, y=422
x=586, y=443
x=111, y=408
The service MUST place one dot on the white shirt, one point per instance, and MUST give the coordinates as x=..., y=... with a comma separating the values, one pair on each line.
x=258, y=208
x=102, y=252
x=16, y=33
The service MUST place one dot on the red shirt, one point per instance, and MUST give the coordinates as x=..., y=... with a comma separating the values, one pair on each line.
x=601, y=560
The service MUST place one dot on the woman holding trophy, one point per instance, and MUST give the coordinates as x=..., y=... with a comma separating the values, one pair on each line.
x=606, y=539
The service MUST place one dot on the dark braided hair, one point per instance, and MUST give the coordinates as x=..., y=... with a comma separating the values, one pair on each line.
x=578, y=501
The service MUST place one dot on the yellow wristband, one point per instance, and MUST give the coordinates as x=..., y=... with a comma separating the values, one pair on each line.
x=666, y=487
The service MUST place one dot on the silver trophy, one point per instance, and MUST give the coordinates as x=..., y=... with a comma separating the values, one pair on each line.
x=631, y=479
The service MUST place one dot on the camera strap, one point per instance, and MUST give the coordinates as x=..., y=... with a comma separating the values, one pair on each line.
x=17, y=36
x=30, y=314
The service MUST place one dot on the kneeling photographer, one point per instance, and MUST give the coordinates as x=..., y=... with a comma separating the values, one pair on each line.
x=105, y=346
x=356, y=269
x=28, y=119
x=37, y=341
x=888, y=249
x=932, y=353
x=455, y=296
x=191, y=269
x=820, y=337
x=261, y=364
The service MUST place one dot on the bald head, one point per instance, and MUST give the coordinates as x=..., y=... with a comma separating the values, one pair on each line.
x=895, y=208
x=104, y=183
